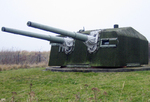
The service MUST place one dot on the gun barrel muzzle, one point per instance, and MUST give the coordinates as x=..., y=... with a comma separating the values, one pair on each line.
x=35, y=35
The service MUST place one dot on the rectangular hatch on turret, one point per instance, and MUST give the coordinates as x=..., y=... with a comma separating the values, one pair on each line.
x=109, y=42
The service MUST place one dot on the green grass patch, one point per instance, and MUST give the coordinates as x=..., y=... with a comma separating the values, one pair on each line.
x=34, y=85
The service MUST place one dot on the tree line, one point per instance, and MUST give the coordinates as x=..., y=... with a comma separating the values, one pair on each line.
x=23, y=57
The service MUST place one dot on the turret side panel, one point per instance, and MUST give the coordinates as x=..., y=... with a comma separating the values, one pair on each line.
x=134, y=45
x=79, y=55
x=107, y=56
x=57, y=58
x=144, y=52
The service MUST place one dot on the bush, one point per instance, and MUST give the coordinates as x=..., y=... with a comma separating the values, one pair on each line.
x=10, y=59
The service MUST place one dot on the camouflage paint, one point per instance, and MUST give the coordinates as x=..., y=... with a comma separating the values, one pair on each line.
x=131, y=48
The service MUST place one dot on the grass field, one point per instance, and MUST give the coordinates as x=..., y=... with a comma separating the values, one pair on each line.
x=36, y=85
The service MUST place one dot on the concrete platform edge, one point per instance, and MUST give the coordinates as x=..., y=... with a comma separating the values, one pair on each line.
x=128, y=69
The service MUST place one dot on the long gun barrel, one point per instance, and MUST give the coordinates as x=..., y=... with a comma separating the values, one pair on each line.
x=74, y=35
x=35, y=35
x=91, y=40
x=66, y=43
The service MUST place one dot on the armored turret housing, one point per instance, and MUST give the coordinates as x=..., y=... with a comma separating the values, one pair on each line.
x=115, y=47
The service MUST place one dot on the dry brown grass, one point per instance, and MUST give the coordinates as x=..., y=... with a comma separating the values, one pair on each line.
x=18, y=66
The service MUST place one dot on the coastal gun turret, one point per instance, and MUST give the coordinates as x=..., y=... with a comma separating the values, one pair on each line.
x=113, y=47
x=65, y=42
x=90, y=40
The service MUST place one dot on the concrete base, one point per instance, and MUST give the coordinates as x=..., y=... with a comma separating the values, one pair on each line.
x=127, y=69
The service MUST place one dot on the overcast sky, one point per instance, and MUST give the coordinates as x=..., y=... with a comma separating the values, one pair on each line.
x=70, y=15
